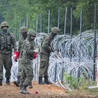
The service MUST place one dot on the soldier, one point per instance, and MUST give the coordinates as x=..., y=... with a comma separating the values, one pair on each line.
x=45, y=53
x=26, y=62
x=23, y=31
x=7, y=43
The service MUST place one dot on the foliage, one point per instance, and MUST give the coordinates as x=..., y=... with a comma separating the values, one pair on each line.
x=15, y=12
x=73, y=83
x=78, y=83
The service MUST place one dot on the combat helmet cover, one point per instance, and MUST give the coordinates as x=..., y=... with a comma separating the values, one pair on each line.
x=32, y=33
x=23, y=29
x=55, y=30
x=4, y=24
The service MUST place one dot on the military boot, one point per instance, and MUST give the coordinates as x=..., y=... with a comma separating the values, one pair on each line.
x=31, y=86
x=18, y=79
x=46, y=80
x=40, y=80
x=8, y=81
x=23, y=90
x=0, y=82
x=20, y=88
x=17, y=82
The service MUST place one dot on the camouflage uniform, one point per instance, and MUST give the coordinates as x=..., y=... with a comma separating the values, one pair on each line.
x=23, y=31
x=45, y=53
x=26, y=62
x=7, y=43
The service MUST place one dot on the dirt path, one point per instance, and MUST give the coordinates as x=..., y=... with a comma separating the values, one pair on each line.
x=41, y=91
x=38, y=91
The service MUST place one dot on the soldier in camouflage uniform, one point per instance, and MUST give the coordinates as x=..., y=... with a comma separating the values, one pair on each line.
x=26, y=62
x=7, y=43
x=23, y=31
x=45, y=53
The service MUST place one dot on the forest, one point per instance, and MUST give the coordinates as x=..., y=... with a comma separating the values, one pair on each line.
x=43, y=14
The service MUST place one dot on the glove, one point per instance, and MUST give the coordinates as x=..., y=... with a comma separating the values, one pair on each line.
x=34, y=55
x=16, y=55
x=36, y=50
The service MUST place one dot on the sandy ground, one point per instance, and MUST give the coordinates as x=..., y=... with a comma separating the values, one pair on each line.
x=39, y=91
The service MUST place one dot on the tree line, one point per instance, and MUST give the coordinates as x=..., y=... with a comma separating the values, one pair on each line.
x=35, y=13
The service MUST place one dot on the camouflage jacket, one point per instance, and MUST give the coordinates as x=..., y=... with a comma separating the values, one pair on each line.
x=46, y=45
x=7, y=43
x=20, y=43
x=28, y=50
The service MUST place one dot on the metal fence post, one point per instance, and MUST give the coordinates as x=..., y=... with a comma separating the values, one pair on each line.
x=40, y=22
x=58, y=17
x=48, y=21
x=95, y=45
x=65, y=21
x=37, y=24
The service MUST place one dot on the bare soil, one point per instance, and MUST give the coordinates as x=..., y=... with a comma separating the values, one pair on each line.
x=43, y=91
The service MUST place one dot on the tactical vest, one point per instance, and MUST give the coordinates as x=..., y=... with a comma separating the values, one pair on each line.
x=5, y=41
x=47, y=40
x=31, y=46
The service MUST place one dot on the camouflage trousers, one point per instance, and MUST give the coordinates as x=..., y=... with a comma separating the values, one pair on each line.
x=19, y=68
x=6, y=62
x=26, y=73
x=44, y=64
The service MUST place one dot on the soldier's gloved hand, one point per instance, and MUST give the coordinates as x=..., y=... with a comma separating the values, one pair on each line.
x=16, y=55
x=34, y=55
x=36, y=50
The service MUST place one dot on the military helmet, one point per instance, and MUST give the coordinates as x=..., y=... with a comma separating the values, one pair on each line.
x=4, y=24
x=32, y=33
x=55, y=30
x=23, y=29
